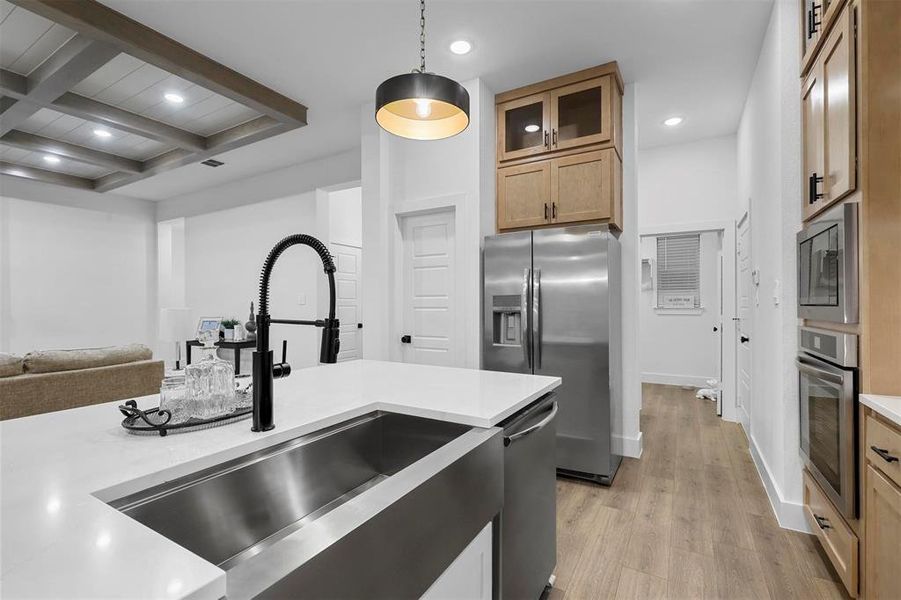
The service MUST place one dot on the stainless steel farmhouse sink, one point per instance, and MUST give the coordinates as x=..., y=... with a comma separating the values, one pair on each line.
x=374, y=507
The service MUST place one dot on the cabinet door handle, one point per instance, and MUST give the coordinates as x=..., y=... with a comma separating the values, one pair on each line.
x=547, y=143
x=814, y=24
x=812, y=181
x=554, y=210
x=884, y=454
x=545, y=211
x=555, y=138
x=809, y=24
x=823, y=522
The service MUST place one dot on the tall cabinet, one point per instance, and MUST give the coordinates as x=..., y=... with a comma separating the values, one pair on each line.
x=851, y=152
x=559, y=151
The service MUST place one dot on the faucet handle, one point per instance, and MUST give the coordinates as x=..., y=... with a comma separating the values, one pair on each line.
x=284, y=350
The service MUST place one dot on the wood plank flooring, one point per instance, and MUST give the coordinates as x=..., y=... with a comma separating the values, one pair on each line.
x=690, y=519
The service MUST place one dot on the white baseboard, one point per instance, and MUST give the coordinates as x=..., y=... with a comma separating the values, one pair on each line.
x=668, y=379
x=789, y=514
x=627, y=446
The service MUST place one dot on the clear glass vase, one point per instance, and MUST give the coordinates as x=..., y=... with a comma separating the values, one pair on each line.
x=210, y=383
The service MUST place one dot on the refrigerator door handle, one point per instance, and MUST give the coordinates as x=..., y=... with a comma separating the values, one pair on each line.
x=536, y=317
x=524, y=317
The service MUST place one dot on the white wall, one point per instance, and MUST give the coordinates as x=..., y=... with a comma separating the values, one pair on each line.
x=77, y=269
x=345, y=217
x=769, y=142
x=688, y=183
x=403, y=175
x=680, y=347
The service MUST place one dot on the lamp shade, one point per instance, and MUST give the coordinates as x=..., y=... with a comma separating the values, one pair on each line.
x=175, y=324
x=422, y=106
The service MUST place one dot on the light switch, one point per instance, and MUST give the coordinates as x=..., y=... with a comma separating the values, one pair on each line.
x=302, y=300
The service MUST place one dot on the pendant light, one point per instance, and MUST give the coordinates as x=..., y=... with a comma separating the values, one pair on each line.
x=421, y=105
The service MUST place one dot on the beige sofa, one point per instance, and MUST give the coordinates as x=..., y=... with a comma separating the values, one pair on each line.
x=51, y=380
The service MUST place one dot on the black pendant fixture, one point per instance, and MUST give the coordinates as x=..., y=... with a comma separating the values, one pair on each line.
x=421, y=105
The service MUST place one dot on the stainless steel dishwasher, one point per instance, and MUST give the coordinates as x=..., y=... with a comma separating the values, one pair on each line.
x=526, y=531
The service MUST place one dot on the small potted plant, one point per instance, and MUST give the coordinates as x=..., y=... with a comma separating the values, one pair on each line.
x=228, y=325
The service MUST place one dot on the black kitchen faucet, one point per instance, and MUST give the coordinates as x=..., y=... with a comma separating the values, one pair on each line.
x=264, y=369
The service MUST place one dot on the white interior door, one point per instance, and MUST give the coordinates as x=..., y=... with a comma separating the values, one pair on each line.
x=718, y=328
x=347, y=300
x=429, y=334
x=744, y=322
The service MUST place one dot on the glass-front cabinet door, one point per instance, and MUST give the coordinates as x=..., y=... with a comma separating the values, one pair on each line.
x=582, y=113
x=524, y=127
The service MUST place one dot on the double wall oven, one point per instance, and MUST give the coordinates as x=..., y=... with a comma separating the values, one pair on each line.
x=827, y=359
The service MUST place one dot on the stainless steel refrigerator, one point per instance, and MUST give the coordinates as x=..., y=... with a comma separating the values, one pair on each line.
x=551, y=306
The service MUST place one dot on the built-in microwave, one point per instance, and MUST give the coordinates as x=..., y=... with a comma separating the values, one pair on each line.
x=827, y=386
x=827, y=266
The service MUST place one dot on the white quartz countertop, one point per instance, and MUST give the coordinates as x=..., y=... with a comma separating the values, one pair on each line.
x=59, y=538
x=887, y=406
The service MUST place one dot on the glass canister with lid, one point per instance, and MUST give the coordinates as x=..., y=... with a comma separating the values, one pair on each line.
x=210, y=382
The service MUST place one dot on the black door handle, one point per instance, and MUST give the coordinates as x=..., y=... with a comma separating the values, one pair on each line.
x=884, y=454
x=812, y=195
x=359, y=326
x=715, y=328
x=823, y=522
x=406, y=339
x=745, y=339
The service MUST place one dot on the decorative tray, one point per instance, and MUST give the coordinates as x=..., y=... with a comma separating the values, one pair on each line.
x=156, y=420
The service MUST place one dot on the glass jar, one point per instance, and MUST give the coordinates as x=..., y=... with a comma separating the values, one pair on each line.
x=210, y=383
x=174, y=398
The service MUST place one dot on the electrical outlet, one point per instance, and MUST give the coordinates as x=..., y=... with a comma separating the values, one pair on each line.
x=777, y=293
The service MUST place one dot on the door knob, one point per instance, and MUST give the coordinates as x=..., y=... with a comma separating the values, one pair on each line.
x=359, y=326
x=406, y=339
x=715, y=328
x=745, y=339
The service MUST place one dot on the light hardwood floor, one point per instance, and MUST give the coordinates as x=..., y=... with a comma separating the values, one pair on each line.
x=690, y=519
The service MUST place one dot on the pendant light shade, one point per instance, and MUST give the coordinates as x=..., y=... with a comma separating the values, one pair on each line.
x=422, y=106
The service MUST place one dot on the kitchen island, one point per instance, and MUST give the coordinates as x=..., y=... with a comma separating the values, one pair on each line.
x=61, y=538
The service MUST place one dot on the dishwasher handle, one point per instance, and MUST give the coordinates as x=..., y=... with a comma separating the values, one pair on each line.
x=509, y=439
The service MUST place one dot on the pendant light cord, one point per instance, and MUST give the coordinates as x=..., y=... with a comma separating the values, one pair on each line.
x=422, y=36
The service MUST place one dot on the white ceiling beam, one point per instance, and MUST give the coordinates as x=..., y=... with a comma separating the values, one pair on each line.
x=65, y=68
x=36, y=174
x=37, y=143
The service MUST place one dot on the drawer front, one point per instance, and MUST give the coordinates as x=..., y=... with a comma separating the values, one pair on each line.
x=837, y=538
x=883, y=446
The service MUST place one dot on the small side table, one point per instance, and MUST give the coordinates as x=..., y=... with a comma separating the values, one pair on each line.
x=230, y=344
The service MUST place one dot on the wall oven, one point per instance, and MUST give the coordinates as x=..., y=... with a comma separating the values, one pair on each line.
x=827, y=266
x=827, y=368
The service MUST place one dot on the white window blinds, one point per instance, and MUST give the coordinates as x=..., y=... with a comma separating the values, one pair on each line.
x=678, y=271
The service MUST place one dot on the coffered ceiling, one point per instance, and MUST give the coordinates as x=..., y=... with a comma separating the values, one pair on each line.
x=93, y=99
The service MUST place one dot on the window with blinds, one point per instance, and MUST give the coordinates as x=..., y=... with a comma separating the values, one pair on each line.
x=679, y=271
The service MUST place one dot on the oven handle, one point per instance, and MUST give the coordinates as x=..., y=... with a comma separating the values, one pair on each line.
x=823, y=373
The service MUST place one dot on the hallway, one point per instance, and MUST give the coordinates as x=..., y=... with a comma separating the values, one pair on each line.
x=690, y=519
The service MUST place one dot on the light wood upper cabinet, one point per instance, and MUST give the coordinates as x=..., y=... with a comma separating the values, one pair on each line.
x=559, y=151
x=582, y=187
x=817, y=17
x=523, y=127
x=883, y=536
x=523, y=195
x=829, y=120
x=582, y=113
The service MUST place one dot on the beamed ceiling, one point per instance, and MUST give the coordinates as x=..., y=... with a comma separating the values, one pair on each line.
x=71, y=69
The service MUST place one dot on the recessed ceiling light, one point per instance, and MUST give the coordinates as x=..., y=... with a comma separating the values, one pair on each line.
x=102, y=133
x=672, y=121
x=460, y=47
x=532, y=128
x=51, y=159
x=174, y=98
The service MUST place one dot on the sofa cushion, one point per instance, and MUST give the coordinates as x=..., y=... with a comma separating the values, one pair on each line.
x=51, y=361
x=11, y=365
